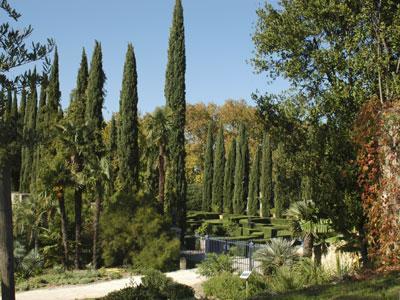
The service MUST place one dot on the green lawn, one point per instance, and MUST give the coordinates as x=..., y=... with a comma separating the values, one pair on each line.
x=382, y=287
x=52, y=277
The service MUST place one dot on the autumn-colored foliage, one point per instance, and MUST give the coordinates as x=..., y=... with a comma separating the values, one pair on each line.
x=377, y=133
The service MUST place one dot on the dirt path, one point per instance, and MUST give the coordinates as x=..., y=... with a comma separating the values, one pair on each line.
x=94, y=290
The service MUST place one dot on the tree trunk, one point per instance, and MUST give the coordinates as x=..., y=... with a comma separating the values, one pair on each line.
x=161, y=176
x=64, y=224
x=6, y=236
x=317, y=254
x=96, y=229
x=78, y=226
x=308, y=245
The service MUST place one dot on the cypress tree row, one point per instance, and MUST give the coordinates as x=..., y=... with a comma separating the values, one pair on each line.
x=219, y=168
x=28, y=140
x=266, y=177
x=76, y=115
x=128, y=147
x=175, y=94
x=241, y=173
x=94, y=119
x=254, y=185
x=208, y=170
x=229, y=178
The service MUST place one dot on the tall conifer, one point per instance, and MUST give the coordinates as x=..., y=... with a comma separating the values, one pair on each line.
x=175, y=94
x=218, y=177
x=229, y=178
x=279, y=193
x=266, y=177
x=128, y=148
x=113, y=155
x=208, y=170
x=16, y=155
x=94, y=118
x=241, y=173
x=76, y=115
x=254, y=185
x=28, y=139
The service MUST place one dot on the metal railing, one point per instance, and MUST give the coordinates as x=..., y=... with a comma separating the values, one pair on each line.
x=242, y=252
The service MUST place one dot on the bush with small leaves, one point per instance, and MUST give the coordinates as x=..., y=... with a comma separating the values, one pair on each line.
x=215, y=264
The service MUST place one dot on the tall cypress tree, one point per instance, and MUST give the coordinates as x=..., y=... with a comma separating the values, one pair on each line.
x=8, y=106
x=241, y=173
x=41, y=129
x=229, y=176
x=219, y=168
x=16, y=155
x=208, y=170
x=128, y=147
x=28, y=139
x=279, y=193
x=76, y=115
x=254, y=185
x=53, y=94
x=266, y=177
x=94, y=118
x=22, y=108
x=113, y=155
x=76, y=110
x=175, y=94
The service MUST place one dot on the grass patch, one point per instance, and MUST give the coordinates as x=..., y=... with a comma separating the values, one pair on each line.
x=57, y=277
x=379, y=287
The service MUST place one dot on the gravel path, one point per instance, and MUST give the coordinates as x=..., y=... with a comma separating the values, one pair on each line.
x=100, y=289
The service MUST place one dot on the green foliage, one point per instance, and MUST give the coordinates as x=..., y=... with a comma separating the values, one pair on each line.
x=254, y=186
x=58, y=276
x=27, y=264
x=241, y=173
x=128, y=147
x=138, y=236
x=194, y=196
x=266, y=177
x=302, y=274
x=29, y=140
x=218, y=177
x=208, y=170
x=214, y=264
x=155, y=285
x=278, y=252
x=226, y=285
x=175, y=95
x=229, y=178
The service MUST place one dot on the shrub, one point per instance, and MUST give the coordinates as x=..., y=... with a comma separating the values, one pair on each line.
x=27, y=264
x=204, y=229
x=277, y=253
x=229, y=286
x=302, y=274
x=231, y=228
x=155, y=285
x=140, y=237
x=225, y=286
x=215, y=264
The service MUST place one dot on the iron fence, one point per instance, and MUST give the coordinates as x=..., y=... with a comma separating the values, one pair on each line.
x=242, y=252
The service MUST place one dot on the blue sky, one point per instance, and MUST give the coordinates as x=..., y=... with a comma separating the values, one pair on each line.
x=218, y=45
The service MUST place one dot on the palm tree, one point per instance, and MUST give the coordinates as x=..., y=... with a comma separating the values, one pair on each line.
x=305, y=223
x=158, y=135
x=277, y=253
